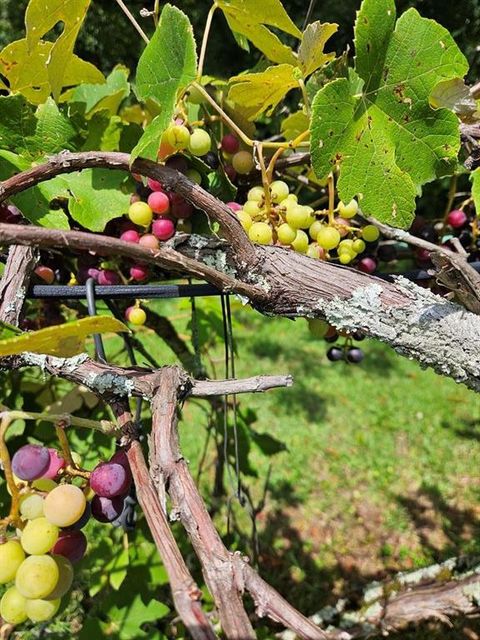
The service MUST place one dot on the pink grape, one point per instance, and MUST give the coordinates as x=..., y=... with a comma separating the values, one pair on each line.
x=139, y=272
x=131, y=236
x=149, y=241
x=56, y=463
x=163, y=228
x=121, y=458
x=31, y=462
x=457, y=218
x=159, y=202
x=106, y=509
x=71, y=545
x=45, y=273
x=367, y=265
x=108, y=277
x=234, y=206
x=154, y=185
x=93, y=273
x=109, y=479
x=230, y=143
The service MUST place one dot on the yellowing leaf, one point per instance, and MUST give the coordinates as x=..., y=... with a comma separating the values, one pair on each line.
x=251, y=19
x=261, y=92
x=310, y=54
x=41, y=16
x=295, y=124
x=63, y=340
x=455, y=95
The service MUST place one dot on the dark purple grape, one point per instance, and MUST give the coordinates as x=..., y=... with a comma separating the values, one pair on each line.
x=121, y=458
x=465, y=237
x=128, y=517
x=355, y=355
x=212, y=160
x=31, y=462
x=332, y=338
x=428, y=233
x=108, y=277
x=10, y=214
x=334, y=354
x=386, y=253
x=82, y=521
x=109, y=479
x=71, y=545
x=106, y=509
x=358, y=335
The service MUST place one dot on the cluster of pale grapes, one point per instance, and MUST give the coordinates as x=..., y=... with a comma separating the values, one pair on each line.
x=54, y=506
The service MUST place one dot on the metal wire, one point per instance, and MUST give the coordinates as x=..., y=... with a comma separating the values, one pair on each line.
x=92, y=311
x=119, y=292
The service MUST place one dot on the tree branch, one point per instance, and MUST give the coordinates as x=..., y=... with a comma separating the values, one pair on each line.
x=15, y=281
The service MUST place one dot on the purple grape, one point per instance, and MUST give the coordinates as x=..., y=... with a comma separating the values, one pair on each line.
x=10, y=214
x=31, y=462
x=106, y=509
x=109, y=479
x=108, y=277
x=82, y=521
x=56, y=463
x=355, y=355
x=121, y=458
x=334, y=354
x=71, y=545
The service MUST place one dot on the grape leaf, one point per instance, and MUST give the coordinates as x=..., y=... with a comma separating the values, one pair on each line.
x=251, y=19
x=64, y=340
x=103, y=97
x=455, y=95
x=40, y=17
x=310, y=54
x=377, y=125
x=475, y=180
x=261, y=92
x=167, y=65
x=295, y=124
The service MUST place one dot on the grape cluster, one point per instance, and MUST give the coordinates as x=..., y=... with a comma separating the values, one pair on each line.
x=347, y=351
x=55, y=504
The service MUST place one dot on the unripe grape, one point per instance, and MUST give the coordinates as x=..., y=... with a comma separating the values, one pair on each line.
x=289, y=202
x=349, y=210
x=64, y=505
x=140, y=213
x=11, y=557
x=260, y=232
x=45, y=484
x=177, y=136
x=234, y=206
x=359, y=246
x=457, y=218
x=194, y=96
x=286, y=234
x=346, y=245
x=45, y=273
x=31, y=506
x=367, y=265
x=39, y=536
x=154, y=185
x=252, y=207
x=131, y=236
x=314, y=251
x=159, y=202
x=317, y=327
x=245, y=220
x=194, y=176
x=37, y=576
x=108, y=277
x=279, y=190
x=139, y=272
x=137, y=316
x=257, y=194
x=328, y=238
x=370, y=233
x=163, y=229
x=314, y=229
x=149, y=241
x=346, y=257
x=242, y=162
x=300, y=243
x=13, y=606
x=230, y=143
x=200, y=142
x=39, y=610
x=299, y=217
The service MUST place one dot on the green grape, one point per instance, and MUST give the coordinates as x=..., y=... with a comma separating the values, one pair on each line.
x=178, y=136
x=346, y=245
x=359, y=246
x=137, y=316
x=37, y=576
x=12, y=606
x=41, y=610
x=31, y=506
x=257, y=194
x=286, y=234
x=194, y=176
x=65, y=504
x=345, y=258
x=242, y=162
x=279, y=190
x=200, y=142
x=348, y=210
x=301, y=241
x=65, y=579
x=194, y=96
x=290, y=201
x=140, y=213
x=328, y=238
x=44, y=484
x=318, y=328
x=252, y=207
x=39, y=536
x=299, y=217
x=11, y=557
x=370, y=233
x=77, y=459
x=260, y=232
x=314, y=251
x=245, y=220
x=314, y=229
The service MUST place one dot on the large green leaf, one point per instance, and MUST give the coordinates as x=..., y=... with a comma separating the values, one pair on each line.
x=167, y=66
x=103, y=97
x=377, y=126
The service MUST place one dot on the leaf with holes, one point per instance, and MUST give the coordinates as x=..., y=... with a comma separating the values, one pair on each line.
x=310, y=54
x=377, y=126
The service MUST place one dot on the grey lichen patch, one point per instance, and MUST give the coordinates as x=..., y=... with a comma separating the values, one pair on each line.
x=68, y=365
x=427, y=574
x=218, y=261
x=473, y=592
x=111, y=383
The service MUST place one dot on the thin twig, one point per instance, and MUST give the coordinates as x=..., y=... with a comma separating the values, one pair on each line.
x=132, y=19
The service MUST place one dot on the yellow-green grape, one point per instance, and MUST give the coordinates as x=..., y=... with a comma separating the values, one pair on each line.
x=345, y=257
x=65, y=578
x=286, y=234
x=279, y=190
x=348, y=210
x=200, y=142
x=314, y=251
x=39, y=610
x=39, y=536
x=11, y=557
x=140, y=213
x=301, y=241
x=12, y=606
x=44, y=484
x=37, y=576
x=178, y=136
x=370, y=233
x=194, y=96
x=137, y=316
x=77, y=459
x=328, y=238
x=346, y=245
x=252, y=207
x=245, y=220
x=290, y=201
x=242, y=162
x=317, y=327
x=359, y=246
x=299, y=217
x=64, y=505
x=260, y=232
x=314, y=229
x=257, y=194
x=194, y=176
x=31, y=506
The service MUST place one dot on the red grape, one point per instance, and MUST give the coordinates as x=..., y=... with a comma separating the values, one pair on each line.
x=131, y=236
x=139, y=272
x=45, y=273
x=108, y=277
x=457, y=218
x=367, y=265
x=149, y=241
x=106, y=509
x=31, y=462
x=71, y=545
x=234, y=206
x=230, y=172
x=109, y=479
x=159, y=202
x=163, y=228
x=179, y=207
x=154, y=185
x=230, y=143
x=56, y=463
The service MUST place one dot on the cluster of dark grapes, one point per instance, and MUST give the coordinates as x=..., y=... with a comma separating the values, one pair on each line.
x=346, y=351
x=55, y=502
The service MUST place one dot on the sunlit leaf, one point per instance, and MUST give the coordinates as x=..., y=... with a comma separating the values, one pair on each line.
x=455, y=95
x=310, y=54
x=295, y=124
x=103, y=97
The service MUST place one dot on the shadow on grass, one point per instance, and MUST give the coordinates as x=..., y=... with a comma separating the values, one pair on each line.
x=468, y=429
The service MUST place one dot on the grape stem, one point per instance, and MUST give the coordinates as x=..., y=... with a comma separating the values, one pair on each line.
x=206, y=33
x=265, y=178
x=104, y=426
x=331, y=198
x=7, y=468
x=63, y=440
